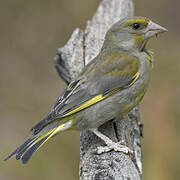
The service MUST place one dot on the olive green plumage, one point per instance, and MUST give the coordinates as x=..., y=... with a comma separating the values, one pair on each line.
x=110, y=86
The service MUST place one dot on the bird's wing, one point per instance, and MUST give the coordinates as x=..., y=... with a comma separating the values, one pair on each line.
x=93, y=86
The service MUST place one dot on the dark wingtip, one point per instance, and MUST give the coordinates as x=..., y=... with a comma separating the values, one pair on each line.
x=40, y=125
x=28, y=154
x=10, y=156
x=19, y=151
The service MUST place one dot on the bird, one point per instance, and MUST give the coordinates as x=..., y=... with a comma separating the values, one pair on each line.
x=110, y=86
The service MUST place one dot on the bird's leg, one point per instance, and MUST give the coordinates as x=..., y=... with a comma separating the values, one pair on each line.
x=119, y=146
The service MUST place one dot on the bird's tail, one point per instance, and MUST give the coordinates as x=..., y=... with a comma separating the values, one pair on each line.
x=26, y=150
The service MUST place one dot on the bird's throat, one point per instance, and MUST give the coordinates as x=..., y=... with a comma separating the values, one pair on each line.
x=143, y=46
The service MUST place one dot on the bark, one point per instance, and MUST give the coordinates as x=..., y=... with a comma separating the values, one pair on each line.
x=82, y=47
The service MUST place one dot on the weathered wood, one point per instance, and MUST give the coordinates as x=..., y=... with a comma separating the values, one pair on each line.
x=82, y=47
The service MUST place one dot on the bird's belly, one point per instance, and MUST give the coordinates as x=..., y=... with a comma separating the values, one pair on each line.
x=117, y=105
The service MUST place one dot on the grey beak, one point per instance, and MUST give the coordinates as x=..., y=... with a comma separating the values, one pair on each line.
x=154, y=29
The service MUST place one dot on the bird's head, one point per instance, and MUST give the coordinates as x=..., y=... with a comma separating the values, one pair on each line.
x=132, y=34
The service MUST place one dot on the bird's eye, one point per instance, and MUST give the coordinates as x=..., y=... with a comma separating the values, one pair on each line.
x=136, y=25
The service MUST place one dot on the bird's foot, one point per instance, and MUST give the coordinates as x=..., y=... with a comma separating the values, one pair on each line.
x=119, y=146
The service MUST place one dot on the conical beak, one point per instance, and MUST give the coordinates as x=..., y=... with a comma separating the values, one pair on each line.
x=154, y=29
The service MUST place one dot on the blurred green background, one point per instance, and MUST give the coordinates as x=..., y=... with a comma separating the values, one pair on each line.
x=30, y=32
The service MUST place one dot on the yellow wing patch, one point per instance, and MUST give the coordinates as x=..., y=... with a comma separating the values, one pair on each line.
x=94, y=100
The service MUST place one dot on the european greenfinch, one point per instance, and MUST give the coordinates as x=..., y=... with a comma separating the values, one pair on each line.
x=110, y=86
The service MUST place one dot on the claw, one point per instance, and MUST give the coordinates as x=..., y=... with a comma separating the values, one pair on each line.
x=116, y=147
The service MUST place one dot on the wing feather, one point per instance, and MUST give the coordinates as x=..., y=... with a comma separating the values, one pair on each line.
x=94, y=86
